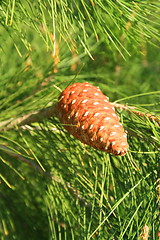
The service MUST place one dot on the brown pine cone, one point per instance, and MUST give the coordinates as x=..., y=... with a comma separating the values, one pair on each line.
x=88, y=115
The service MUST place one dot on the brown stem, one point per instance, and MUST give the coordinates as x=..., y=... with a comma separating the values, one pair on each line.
x=36, y=116
x=56, y=179
x=21, y=158
x=132, y=109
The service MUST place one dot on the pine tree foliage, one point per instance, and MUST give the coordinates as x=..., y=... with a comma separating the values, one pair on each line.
x=51, y=185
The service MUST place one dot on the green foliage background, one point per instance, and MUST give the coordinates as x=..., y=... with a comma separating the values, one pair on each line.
x=80, y=193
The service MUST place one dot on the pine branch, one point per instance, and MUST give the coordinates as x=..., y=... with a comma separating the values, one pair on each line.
x=50, y=175
x=27, y=119
x=21, y=158
x=132, y=109
x=83, y=188
x=48, y=112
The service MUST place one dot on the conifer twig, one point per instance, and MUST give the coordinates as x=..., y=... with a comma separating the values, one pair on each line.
x=18, y=156
x=21, y=158
x=27, y=119
x=48, y=112
x=133, y=110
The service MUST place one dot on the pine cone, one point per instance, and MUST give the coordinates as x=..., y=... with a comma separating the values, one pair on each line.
x=88, y=115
